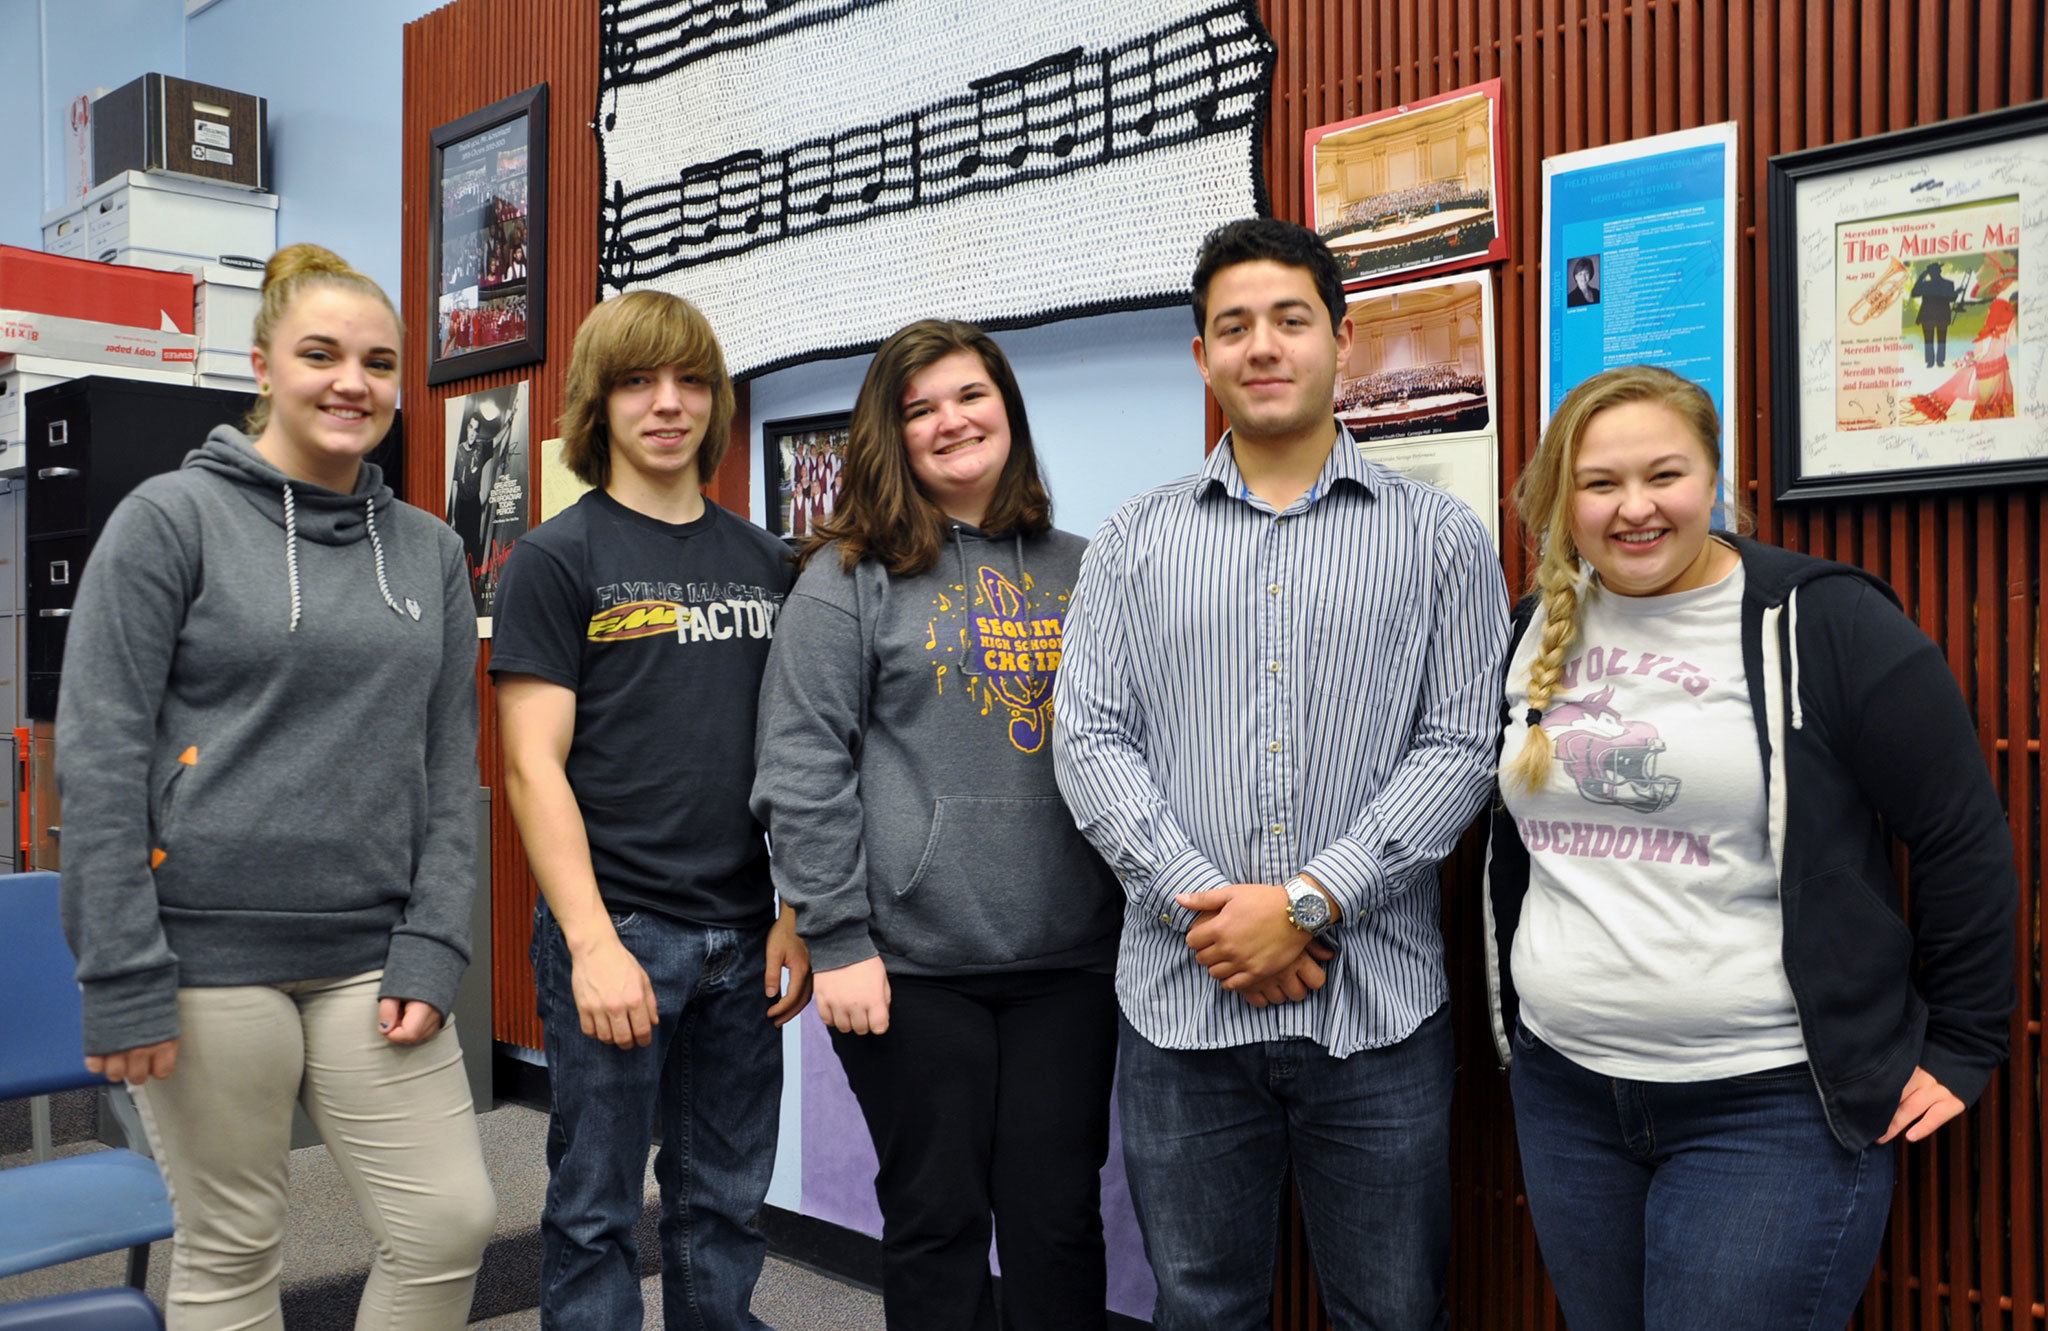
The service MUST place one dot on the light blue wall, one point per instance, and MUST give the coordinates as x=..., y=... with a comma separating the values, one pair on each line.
x=21, y=106
x=1116, y=406
x=335, y=79
x=90, y=44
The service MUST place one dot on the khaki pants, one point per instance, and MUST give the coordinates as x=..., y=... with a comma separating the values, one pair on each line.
x=397, y=1119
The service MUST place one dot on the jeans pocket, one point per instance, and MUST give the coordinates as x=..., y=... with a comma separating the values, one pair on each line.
x=622, y=919
x=1525, y=1040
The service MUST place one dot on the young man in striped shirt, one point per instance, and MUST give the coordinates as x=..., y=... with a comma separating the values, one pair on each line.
x=1275, y=717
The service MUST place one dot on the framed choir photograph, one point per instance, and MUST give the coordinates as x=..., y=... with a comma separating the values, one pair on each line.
x=803, y=461
x=488, y=237
x=1902, y=356
x=1415, y=189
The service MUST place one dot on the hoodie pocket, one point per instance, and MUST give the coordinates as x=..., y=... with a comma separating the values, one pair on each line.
x=1000, y=881
x=163, y=818
x=1854, y=964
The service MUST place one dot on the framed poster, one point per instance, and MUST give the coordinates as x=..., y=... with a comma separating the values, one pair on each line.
x=1415, y=189
x=489, y=484
x=1900, y=356
x=1417, y=390
x=803, y=462
x=1639, y=265
x=489, y=239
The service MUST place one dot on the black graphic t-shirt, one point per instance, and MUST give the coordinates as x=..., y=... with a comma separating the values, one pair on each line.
x=662, y=630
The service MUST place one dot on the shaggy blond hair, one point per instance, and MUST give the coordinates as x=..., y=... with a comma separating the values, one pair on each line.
x=640, y=330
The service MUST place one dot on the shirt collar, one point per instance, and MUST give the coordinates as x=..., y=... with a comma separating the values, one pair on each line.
x=1220, y=476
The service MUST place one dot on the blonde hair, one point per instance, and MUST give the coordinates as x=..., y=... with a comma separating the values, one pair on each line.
x=290, y=272
x=1543, y=498
x=639, y=330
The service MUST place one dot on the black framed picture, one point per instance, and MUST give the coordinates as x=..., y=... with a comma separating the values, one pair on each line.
x=803, y=462
x=1900, y=356
x=490, y=239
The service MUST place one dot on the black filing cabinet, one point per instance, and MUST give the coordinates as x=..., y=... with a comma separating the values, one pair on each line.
x=90, y=442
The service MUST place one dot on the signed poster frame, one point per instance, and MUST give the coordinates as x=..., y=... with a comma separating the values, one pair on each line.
x=462, y=147
x=1865, y=397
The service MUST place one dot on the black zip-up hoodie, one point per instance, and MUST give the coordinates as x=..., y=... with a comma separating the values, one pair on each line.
x=1861, y=731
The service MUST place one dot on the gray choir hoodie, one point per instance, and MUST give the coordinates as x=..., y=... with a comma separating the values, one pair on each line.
x=904, y=765
x=266, y=743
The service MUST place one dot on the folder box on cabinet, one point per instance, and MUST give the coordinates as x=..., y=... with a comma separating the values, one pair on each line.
x=173, y=126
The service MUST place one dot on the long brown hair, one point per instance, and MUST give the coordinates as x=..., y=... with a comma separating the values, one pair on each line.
x=290, y=271
x=640, y=330
x=1543, y=498
x=881, y=512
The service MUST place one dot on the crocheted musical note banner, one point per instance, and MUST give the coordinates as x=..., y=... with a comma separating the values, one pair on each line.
x=814, y=174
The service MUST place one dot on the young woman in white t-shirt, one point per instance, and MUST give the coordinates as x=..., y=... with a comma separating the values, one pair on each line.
x=1717, y=1017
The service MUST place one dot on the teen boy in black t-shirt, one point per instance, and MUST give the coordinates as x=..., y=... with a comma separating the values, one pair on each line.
x=630, y=638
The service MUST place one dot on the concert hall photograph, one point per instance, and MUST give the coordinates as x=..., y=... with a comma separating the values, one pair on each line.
x=1420, y=362
x=1411, y=190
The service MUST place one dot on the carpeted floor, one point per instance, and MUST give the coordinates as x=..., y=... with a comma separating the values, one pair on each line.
x=326, y=1250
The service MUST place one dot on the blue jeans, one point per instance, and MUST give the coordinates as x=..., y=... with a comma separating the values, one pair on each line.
x=1719, y=1205
x=712, y=1081
x=1208, y=1137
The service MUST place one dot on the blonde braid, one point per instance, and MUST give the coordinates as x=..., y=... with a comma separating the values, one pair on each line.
x=1558, y=579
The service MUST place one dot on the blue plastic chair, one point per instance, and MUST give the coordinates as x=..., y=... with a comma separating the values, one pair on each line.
x=92, y=1310
x=60, y=1210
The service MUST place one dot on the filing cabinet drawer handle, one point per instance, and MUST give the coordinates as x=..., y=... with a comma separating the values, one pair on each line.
x=54, y=614
x=52, y=473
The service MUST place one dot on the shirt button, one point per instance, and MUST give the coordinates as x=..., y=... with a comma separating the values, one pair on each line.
x=1277, y=829
x=1273, y=666
x=1274, y=747
x=1165, y=919
x=1273, y=587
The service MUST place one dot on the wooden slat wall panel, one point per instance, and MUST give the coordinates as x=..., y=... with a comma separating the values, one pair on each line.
x=1966, y=1242
x=457, y=59
x=1965, y=1247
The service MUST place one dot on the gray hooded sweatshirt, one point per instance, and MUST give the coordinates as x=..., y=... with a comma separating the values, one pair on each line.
x=904, y=765
x=266, y=743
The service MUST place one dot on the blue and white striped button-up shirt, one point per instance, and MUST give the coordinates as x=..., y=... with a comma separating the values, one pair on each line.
x=1245, y=695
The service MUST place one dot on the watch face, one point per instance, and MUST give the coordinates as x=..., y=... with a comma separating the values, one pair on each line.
x=1311, y=911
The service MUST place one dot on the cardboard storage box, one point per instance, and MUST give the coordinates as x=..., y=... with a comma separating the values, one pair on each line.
x=64, y=233
x=225, y=304
x=73, y=310
x=166, y=124
x=163, y=222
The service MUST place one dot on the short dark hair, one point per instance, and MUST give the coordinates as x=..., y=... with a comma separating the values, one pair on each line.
x=1585, y=264
x=1254, y=238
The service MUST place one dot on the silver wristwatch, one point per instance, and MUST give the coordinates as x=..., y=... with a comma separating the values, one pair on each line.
x=1307, y=908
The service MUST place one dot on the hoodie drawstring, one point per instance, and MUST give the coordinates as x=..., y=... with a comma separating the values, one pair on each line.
x=1792, y=646
x=960, y=558
x=291, y=554
x=377, y=549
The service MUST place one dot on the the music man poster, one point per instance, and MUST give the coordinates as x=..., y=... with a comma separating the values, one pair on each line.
x=488, y=484
x=1924, y=314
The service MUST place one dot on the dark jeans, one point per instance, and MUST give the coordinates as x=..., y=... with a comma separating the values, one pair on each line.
x=990, y=1093
x=1719, y=1205
x=1209, y=1135
x=712, y=1079
x=1934, y=342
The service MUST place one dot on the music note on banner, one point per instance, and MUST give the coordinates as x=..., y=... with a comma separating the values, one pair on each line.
x=808, y=179
x=1211, y=101
x=739, y=209
x=998, y=123
x=617, y=254
x=1052, y=108
x=1133, y=93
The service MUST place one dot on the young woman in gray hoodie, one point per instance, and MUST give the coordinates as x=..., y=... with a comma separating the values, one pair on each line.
x=266, y=742
x=962, y=932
